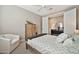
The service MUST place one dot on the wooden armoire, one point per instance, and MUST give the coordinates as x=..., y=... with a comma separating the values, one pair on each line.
x=30, y=29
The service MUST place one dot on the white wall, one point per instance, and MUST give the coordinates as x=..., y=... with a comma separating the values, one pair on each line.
x=44, y=24
x=70, y=21
x=12, y=20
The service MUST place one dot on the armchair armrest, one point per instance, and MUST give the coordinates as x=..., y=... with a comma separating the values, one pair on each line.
x=4, y=44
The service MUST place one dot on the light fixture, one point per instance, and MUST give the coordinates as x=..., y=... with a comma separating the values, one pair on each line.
x=60, y=25
x=45, y=8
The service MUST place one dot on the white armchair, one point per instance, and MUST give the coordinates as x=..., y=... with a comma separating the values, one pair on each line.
x=8, y=42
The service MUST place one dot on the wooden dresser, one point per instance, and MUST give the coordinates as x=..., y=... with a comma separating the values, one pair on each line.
x=55, y=32
x=30, y=29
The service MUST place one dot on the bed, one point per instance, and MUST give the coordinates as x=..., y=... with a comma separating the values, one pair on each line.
x=48, y=44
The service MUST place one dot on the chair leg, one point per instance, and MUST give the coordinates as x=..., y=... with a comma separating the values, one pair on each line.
x=26, y=46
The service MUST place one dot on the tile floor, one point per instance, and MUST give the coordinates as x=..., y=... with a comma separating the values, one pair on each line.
x=21, y=49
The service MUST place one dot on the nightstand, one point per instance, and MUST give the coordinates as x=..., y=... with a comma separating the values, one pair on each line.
x=76, y=37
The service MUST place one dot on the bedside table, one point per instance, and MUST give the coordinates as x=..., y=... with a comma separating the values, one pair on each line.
x=76, y=38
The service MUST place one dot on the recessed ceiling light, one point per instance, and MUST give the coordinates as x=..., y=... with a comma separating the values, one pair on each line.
x=50, y=8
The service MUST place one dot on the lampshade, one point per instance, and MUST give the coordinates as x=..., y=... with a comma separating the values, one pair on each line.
x=60, y=25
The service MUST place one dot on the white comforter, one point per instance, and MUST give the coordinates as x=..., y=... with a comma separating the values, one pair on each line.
x=47, y=44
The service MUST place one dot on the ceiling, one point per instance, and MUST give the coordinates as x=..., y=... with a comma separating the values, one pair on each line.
x=44, y=10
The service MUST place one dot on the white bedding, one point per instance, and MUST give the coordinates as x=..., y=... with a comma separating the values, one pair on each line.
x=47, y=45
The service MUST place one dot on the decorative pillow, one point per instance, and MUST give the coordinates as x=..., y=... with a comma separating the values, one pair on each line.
x=68, y=42
x=62, y=37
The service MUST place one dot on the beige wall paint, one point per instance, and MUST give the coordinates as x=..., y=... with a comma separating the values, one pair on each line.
x=54, y=22
x=77, y=18
x=45, y=28
x=0, y=20
x=13, y=19
x=77, y=21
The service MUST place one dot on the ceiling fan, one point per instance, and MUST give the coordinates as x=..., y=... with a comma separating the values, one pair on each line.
x=45, y=7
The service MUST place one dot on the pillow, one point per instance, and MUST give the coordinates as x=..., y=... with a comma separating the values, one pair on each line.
x=62, y=37
x=68, y=42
